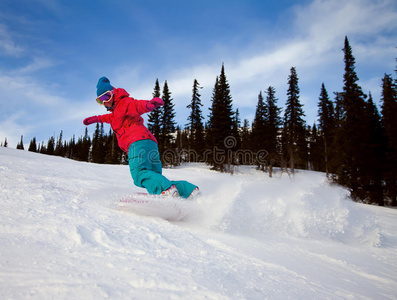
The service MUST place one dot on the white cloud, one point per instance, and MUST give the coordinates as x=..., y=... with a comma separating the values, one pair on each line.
x=37, y=64
x=7, y=45
x=25, y=91
x=328, y=20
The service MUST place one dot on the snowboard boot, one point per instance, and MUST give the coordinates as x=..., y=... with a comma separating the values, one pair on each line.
x=170, y=192
x=195, y=194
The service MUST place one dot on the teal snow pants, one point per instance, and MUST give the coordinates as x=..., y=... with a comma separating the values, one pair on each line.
x=146, y=169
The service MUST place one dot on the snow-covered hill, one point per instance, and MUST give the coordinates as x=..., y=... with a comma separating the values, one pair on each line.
x=62, y=236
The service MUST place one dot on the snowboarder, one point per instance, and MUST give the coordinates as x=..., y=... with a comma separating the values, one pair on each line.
x=137, y=141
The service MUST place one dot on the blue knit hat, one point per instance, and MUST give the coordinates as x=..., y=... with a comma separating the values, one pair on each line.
x=103, y=86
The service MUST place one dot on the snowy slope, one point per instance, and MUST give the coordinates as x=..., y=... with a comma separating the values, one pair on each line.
x=251, y=237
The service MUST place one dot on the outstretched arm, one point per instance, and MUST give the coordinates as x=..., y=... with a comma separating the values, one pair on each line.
x=98, y=119
x=140, y=107
x=91, y=120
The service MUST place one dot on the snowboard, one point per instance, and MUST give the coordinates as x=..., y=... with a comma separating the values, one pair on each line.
x=168, y=208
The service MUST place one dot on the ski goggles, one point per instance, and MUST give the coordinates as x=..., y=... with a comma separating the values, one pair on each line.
x=105, y=97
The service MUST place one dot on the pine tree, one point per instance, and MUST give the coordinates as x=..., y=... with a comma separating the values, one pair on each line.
x=246, y=155
x=85, y=147
x=181, y=146
x=50, y=146
x=78, y=151
x=335, y=160
x=221, y=120
x=246, y=136
x=352, y=134
x=167, y=120
x=316, y=152
x=20, y=144
x=326, y=118
x=72, y=148
x=59, y=147
x=371, y=176
x=154, y=118
x=260, y=129
x=389, y=113
x=5, y=143
x=98, y=145
x=32, y=145
x=43, y=149
x=195, y=125
x=273, y=123
x=294, y=131
x=113, y=155
x=259, y=125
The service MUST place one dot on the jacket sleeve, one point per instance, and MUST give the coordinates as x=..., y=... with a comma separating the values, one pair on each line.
x=107, y=118
x=137, y=107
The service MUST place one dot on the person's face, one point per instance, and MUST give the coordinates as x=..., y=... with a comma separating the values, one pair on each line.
x=109, y=103
x=106, y=99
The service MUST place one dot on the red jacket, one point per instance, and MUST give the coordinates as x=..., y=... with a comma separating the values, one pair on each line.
x=126, y=121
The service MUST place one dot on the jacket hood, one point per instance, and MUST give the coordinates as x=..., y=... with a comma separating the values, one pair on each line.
x=119, y=94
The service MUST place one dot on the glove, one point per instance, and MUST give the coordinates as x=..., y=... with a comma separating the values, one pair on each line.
x=154, y=103
x=90, y=120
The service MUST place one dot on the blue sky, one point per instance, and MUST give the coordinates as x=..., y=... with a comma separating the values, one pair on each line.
x=52, y=54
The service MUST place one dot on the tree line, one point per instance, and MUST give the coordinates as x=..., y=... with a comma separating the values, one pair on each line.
x=353, y=143
x=101, y=148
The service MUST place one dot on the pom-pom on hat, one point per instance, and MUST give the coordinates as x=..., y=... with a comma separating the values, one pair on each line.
x=103, y=86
